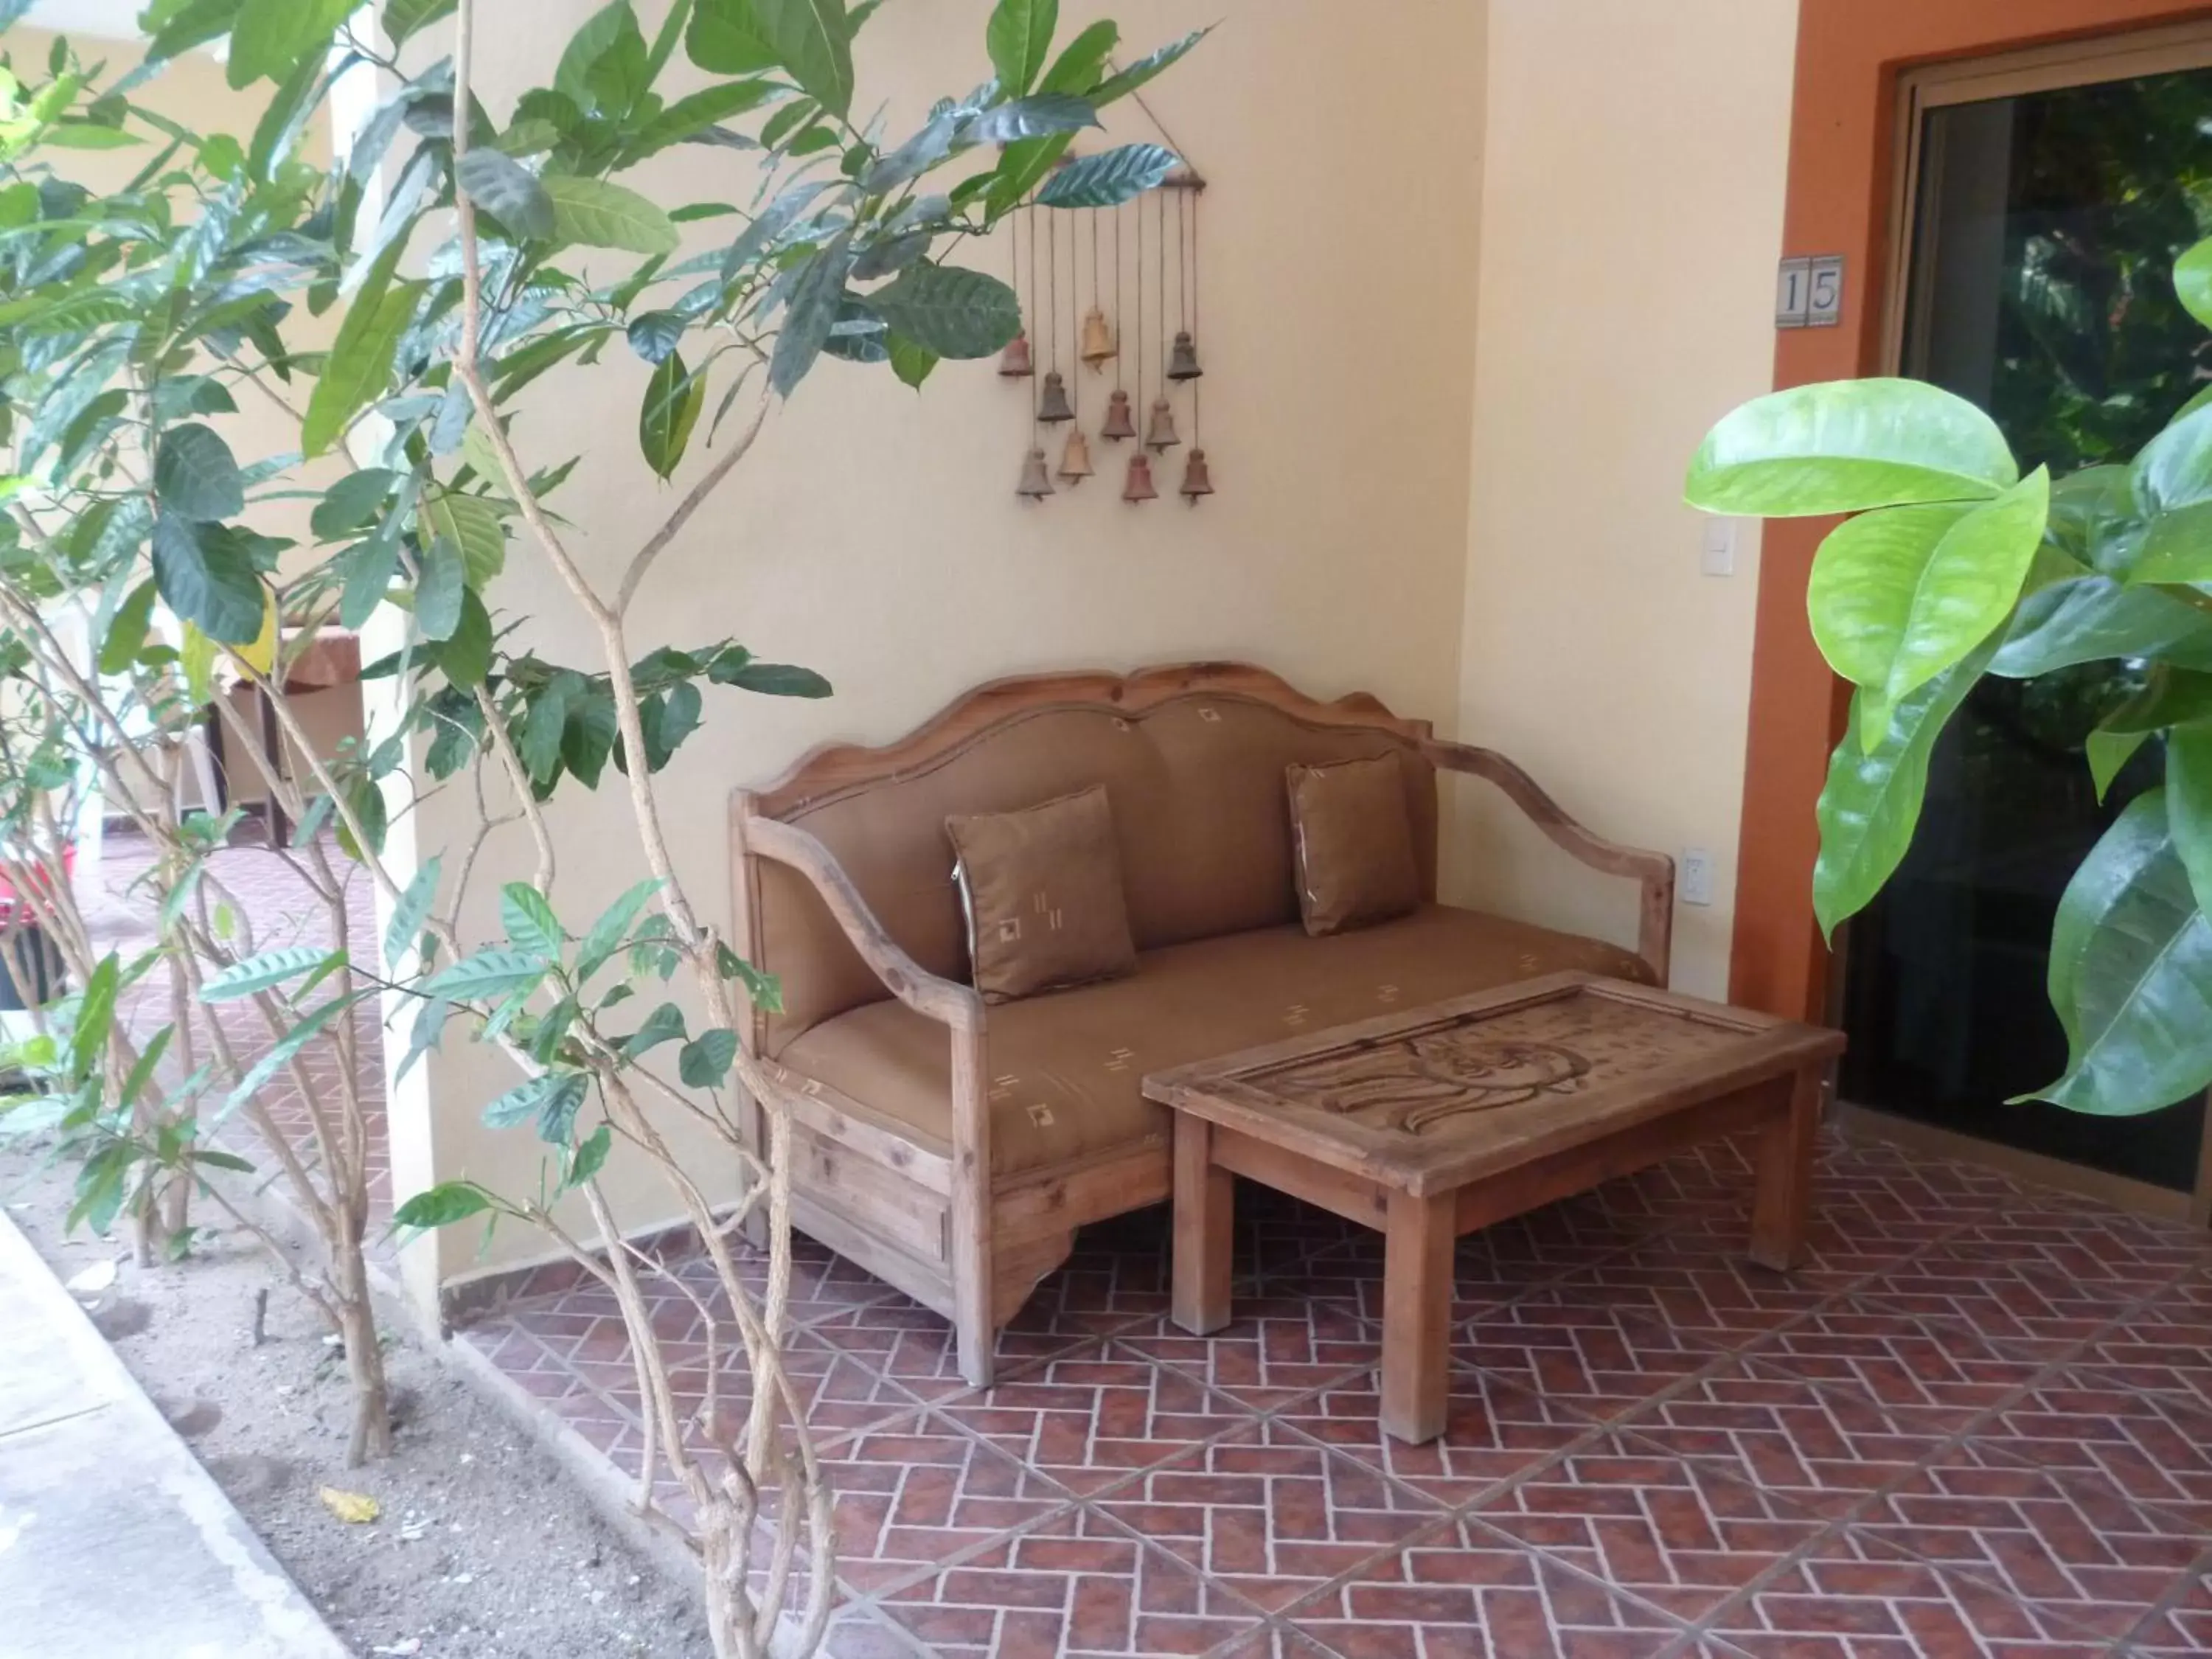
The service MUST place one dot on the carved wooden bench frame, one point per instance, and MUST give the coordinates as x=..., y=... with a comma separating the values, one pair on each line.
x=924, y=1216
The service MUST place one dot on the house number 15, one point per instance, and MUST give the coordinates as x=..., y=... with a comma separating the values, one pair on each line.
x=1810, y=292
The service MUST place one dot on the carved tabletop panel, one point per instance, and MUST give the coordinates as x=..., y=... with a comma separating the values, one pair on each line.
x=1443, y=1076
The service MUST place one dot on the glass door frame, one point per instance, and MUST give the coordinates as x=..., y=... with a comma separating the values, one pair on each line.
x=2079, y=63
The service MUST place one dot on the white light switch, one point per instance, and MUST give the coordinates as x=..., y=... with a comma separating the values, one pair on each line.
x=1696, y=875
x=1719, y=556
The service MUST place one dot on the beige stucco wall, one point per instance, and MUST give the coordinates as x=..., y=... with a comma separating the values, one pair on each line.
x=874, y=535
x=1633, y=174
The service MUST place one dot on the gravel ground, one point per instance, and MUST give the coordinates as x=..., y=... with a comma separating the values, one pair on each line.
x=485, y=1548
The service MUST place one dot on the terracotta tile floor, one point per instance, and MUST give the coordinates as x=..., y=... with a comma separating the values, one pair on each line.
x=1979, y=1422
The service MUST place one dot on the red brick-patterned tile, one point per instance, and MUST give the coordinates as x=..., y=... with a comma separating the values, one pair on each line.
x=2072, y=1546
x=2181, y=1624
x=1465, y=1592
x=1269, y=1513
x=1672, y=1531
x=2156, y=1448
x=1278, y=1345
x=1898, y=1358
x=1594, y=1353
x=1853, y=1597
x=1820, y=1447
x=1076, y=1587
x=916, y=1493
x=1088, y=1418
x=1493, y=1431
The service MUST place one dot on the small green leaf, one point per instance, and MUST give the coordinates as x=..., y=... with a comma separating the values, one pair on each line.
x=270, y=968
x=359, y=365
x=1110, y=177
x=910, y=361
x=607, y=933
x=410, y=914
x=351, y=504
x=673, y=398
x=1082, y=65
x=404, y=17
x=705, y=1060
x=443, y=1204
x=522, y=1102
x=2107, y=752
x=208, y=577
x=1145, y=68
x=196, y=476
x=810, y=314
x=509, y=191
x=465, y=658
x=664, y=1025
x=487, y=974
x=1017, y=37
x=1845, y=445
x=473, y=525
x=126, y=635
x=531, y=925
x=438, y=590
x=597, y=214
x=591, y=1157
x=287, y=1048
x=772, y=679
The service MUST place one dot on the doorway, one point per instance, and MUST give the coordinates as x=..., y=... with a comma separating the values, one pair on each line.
x=2042, y=199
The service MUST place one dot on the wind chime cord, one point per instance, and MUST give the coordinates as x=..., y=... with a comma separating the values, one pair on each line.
x=1197, y=386
x=1036, y=409
x=1119, y=314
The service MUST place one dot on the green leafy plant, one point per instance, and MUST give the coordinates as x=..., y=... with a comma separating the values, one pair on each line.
x=1953, y=567
x=463, y=261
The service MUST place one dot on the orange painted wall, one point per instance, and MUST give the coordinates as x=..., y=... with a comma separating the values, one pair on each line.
x=1850, y=53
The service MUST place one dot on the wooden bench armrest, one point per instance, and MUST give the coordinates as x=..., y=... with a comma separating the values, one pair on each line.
x=945, y=1000
x=1654, y=872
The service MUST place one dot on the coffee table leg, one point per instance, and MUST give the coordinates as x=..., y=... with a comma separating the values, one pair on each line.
x=1417, y=1298
x=1782, y=1212
x=1204, y=1215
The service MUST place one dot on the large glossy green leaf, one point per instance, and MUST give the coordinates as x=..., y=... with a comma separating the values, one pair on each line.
x=1845, y=445
x=359, y=365
x=196, y=476
x=2131, y=973
x=271, y=36
x=2189, y=805
x=1018, y=37
x=1899, y=594
x=1031, y=117
x=2170, y=696
x=473, y=525
x=673, y=398
x=208, y=577
x=813, y=39
x=2095, y=519
x=509, y=191
x=2092, y=618
x=1871, y=803
x=1082, y=62
x=603, y=32
x=1863, y=581
x=2192, y=280
x=725, y=38
x=1110, y=177
x=949, y=310
x=597, y=214
x=2174, y=469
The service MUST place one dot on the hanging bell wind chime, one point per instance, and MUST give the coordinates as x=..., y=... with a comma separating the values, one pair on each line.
x=1183, y=357
x=1139, y=486
x=1035, y=480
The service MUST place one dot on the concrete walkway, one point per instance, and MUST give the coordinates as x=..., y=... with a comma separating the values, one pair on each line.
x=114, y=1542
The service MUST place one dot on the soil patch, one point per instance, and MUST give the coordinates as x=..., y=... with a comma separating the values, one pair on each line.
x=484, y=1549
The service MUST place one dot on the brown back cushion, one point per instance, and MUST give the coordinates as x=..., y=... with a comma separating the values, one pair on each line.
x=1195, y=786
x=1041, y=892
x=1352, y=845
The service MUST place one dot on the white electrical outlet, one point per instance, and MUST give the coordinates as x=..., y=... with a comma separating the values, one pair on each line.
x=1696, y=884
x=1718, y=558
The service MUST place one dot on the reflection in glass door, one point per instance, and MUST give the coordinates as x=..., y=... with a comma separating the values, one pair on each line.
x=2043, y=224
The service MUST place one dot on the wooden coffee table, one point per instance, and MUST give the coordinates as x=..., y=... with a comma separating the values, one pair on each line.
x=1432, y=1122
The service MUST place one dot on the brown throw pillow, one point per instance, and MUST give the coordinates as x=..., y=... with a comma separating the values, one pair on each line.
x=1353, y=844
x=1042, y=892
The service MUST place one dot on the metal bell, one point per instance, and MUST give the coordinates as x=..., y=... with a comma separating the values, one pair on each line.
x=1197, y=480
x=1139, y=486
x=1035, y=482
x=1182, y=358
x=1053, y=406
x=1119, y=425
x=1161, y=433
x=1075, y=459
x=1098, y=347
x=1014, y=361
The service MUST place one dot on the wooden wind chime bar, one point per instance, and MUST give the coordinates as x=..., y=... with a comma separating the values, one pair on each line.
x=1096, y=336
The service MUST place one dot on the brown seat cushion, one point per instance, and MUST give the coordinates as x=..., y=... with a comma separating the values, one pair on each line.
x=1042, y=888
x=1065, y=1070
x=1351, y=846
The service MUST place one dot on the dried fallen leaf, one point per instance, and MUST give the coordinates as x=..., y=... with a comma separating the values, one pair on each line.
x=355, y=1507
x=94, y=1280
